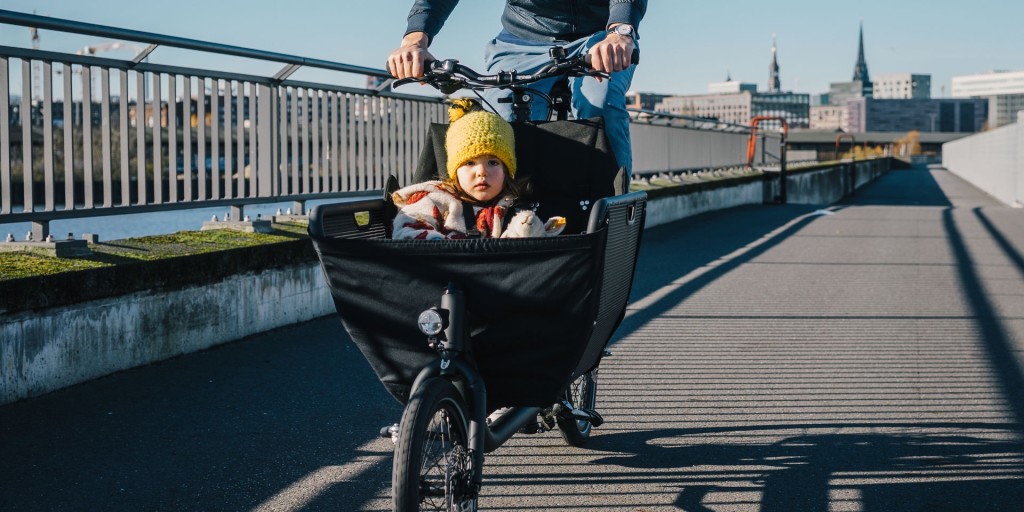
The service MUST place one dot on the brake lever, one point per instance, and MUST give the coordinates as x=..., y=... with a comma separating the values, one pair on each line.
x=404, y=81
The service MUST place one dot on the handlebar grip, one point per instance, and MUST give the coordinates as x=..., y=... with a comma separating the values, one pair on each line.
x=633, y=59
x=387, y=67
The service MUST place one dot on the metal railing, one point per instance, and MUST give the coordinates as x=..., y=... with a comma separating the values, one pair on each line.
x=675, y=144
x=151, y=137
x=92, y=136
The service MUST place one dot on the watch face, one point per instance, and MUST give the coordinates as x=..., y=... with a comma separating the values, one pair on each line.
x=625, y=30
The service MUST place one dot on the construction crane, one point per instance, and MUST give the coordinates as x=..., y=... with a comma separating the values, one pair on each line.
x=107, y=47
x=37, y=68
x=91, y=50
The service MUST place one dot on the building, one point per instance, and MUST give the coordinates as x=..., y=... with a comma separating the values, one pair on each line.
x=1003, y=109
x=826, y=145
x=902, y=86
x=988, y=84
x=860, y=87
x=730, y=86
x=740, y=102
x=948, y=115
x=735, y=108
x=1004, y=91
x=829, y=117
x=742, y=107
x=643, y=100
x=774, y=84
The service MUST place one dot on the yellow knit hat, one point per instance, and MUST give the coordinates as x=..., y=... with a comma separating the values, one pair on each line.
x=474, y=132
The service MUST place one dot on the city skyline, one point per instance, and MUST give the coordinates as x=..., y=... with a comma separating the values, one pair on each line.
x=683, y=46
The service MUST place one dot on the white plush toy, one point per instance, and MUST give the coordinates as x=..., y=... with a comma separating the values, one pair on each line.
x=526, y=224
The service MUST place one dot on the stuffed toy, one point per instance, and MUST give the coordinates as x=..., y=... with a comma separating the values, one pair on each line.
x=526, y=224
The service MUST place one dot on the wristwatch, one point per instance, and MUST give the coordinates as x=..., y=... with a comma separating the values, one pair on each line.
x=623, y=29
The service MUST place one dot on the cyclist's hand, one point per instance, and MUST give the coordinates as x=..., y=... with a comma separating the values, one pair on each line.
x=407, y=61
x=612, y=54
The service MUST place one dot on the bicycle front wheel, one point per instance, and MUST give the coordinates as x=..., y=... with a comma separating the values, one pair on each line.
x=582, y=394
x=433, y=468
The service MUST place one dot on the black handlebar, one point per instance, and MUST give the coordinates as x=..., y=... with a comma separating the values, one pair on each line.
x=449, y=76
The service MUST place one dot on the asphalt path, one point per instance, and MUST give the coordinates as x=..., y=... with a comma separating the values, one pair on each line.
x=864, y=356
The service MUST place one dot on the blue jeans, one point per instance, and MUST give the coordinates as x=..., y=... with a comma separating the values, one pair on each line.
x=590, y=98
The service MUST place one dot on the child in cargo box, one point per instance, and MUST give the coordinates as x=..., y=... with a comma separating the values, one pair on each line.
x=480, y=190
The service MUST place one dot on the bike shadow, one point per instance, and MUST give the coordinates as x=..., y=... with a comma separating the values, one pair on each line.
x=812, y=467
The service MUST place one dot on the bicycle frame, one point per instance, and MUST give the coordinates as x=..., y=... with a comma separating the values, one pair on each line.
x=450, y=365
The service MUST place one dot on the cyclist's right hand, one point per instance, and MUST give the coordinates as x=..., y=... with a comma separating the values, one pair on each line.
x=408, y=60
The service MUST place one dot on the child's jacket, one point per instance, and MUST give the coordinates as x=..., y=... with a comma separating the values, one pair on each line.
x=427, y=211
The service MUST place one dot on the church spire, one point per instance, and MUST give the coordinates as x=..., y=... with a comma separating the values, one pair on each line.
x=773, y=70
x=860, y=70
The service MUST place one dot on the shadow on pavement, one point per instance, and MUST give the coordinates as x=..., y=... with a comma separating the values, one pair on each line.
x=223, y=429
x=958, y=467
x=998, y=346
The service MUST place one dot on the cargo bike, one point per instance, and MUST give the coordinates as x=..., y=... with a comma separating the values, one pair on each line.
x=481, y=339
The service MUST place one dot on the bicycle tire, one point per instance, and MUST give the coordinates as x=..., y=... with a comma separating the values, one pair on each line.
x=432, y=466
x=581, y=393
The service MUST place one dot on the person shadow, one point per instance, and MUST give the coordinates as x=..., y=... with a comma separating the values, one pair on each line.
x=940, y=467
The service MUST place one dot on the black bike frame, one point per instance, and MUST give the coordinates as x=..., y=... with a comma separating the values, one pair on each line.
x=450, y=365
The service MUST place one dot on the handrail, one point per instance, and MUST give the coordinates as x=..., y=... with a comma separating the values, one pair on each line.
x=155, y=136
x=702, y=122
x=752, y=145
x=93, y=136
x=853, y=142
x=77, y=27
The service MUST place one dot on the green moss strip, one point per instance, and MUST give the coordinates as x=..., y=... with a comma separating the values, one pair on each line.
x=18, y=265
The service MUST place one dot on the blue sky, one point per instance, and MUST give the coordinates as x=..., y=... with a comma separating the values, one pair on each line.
x=685, y=44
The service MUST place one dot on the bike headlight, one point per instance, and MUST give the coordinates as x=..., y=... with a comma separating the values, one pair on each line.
x=430, y=322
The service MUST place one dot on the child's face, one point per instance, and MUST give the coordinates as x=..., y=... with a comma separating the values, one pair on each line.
x=482, y=178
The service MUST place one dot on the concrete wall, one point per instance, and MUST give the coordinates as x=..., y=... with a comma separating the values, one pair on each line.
x=44, y=350
x=993, y=161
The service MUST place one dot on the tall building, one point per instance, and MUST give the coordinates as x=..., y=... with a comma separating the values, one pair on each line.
x=860, y=86
x=902, y=86
x=774, y=85
x=860, y=69
x=1004, y=91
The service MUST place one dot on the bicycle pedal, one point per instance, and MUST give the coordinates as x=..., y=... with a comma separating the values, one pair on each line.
x=390, y=432
x=531, y=428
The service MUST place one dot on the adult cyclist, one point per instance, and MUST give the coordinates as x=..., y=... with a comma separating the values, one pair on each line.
x=606, y=29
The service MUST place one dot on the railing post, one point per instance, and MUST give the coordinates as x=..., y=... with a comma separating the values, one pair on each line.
x=782, y=165
x=40, y=230
x=267, y=135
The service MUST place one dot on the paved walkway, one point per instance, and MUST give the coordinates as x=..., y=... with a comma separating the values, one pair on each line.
x=862, y=357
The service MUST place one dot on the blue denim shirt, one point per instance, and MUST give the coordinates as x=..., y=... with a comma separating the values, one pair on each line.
x=538, y=20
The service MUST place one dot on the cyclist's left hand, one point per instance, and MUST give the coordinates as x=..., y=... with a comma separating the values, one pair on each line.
x=612, y=54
